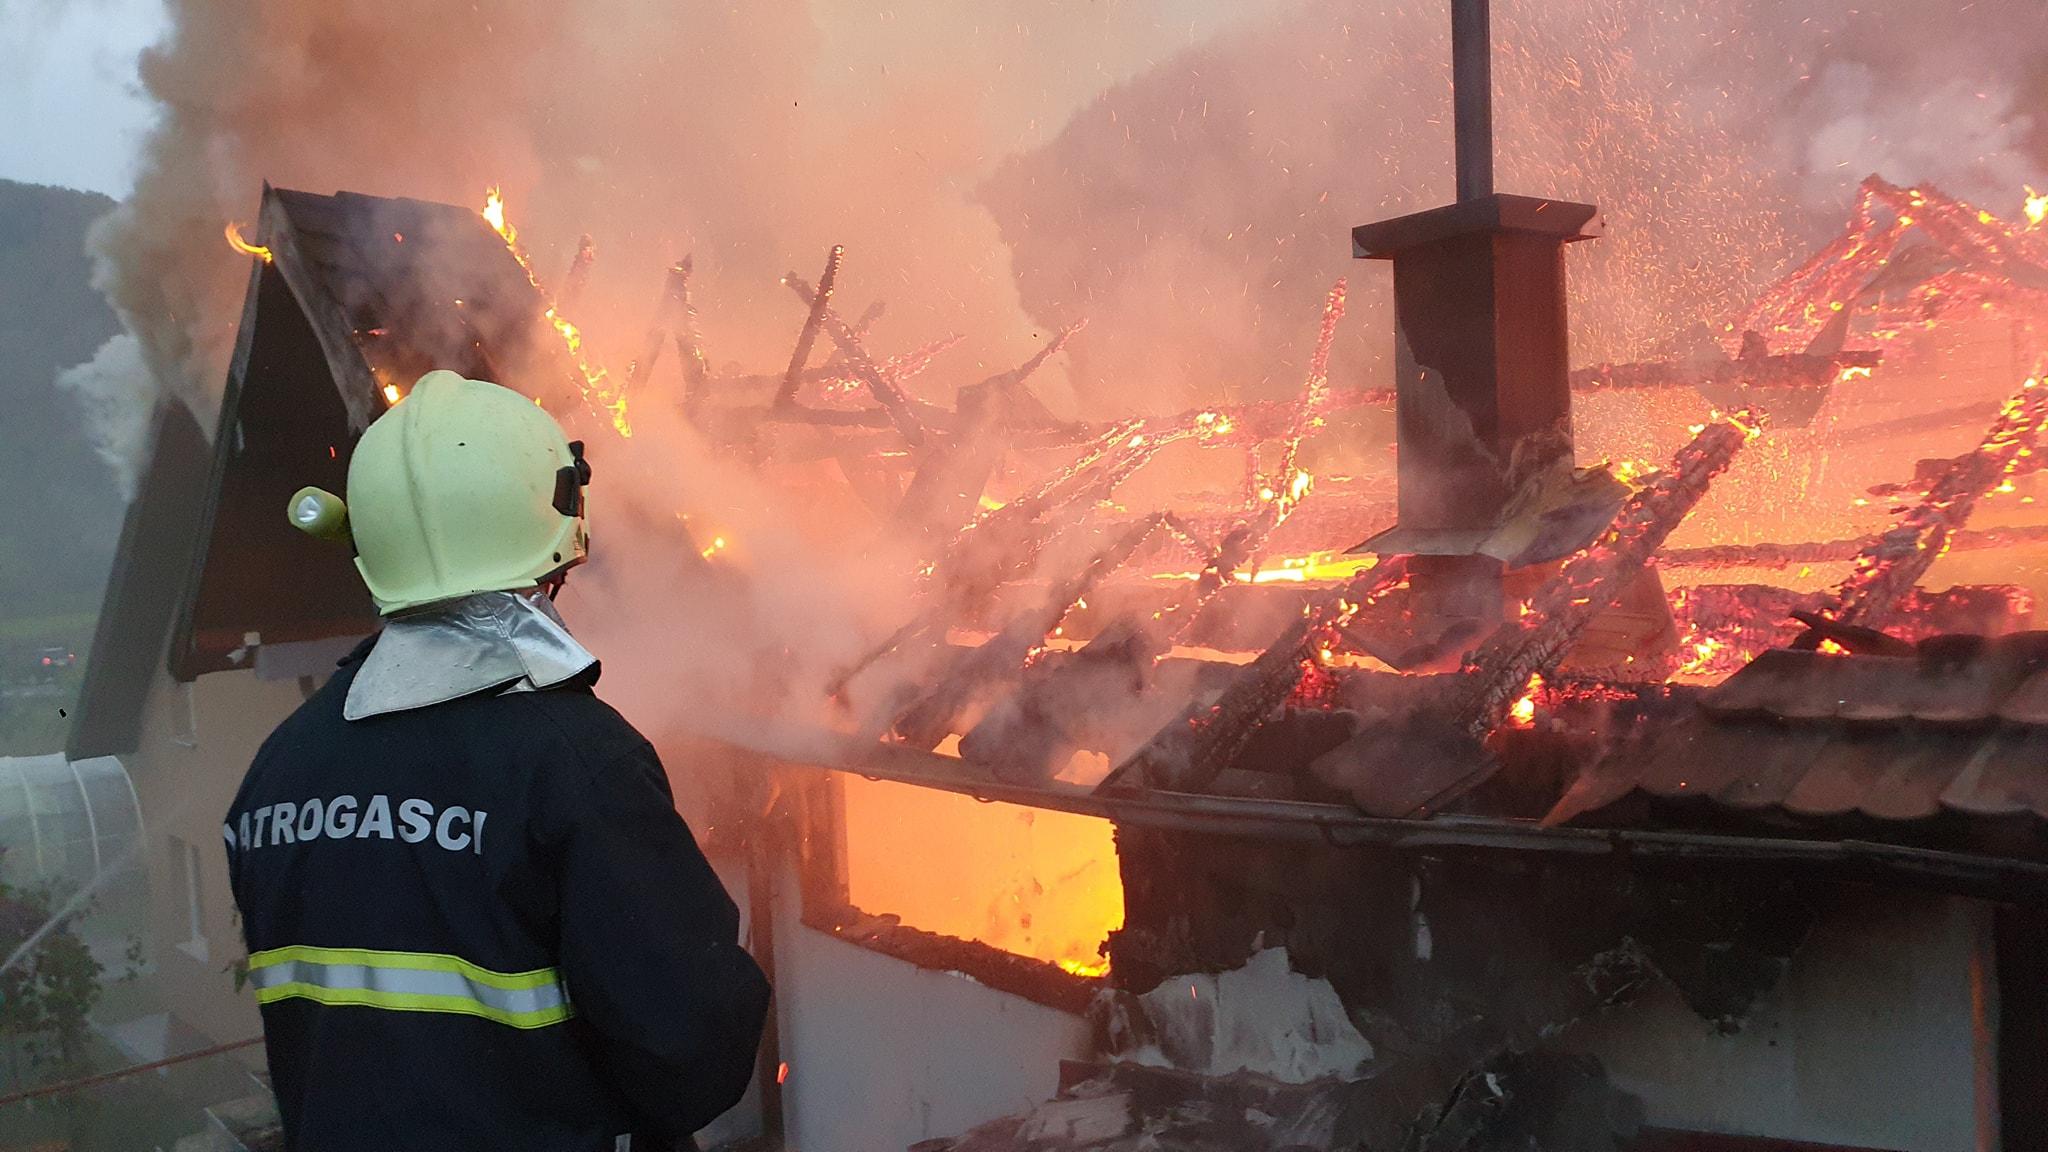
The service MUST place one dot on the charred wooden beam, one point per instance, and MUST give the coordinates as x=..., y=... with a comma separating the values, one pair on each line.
x=1725, y=625
x=1986, y=261
x=1894, y=562
x=1425, y=760
x=578, y=276
x=1005, y=542
x=800, y=356
x=1025, y=738
x=984, y=555
x=979, y=670
x=951, y=479
x=884, y=390
x=1797, y=371
x=674, y=283
x=1775, y=555
x=1535, y=644
x=689, y=344
x=900, y=367
x=1204, y=739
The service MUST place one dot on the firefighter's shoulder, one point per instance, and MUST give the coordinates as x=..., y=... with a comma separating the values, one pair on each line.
x=592, y=731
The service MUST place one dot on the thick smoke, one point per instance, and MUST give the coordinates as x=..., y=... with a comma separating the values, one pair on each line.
x=1955, y=94
x=751, y=136
x=1208, y=201
x=734, y=132
x=1184, y=174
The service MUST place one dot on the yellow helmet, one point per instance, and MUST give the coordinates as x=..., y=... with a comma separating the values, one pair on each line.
x=462, y=487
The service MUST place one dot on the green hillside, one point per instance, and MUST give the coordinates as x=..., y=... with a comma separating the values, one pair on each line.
x=60, y=514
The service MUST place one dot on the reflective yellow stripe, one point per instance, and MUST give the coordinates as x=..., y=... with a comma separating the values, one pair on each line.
x=409, y=982
x=419, y=961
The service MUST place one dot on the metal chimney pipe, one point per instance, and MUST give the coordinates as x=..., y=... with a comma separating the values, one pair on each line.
x=1472, y=96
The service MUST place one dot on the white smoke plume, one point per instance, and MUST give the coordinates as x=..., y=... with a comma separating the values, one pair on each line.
x=118, y=392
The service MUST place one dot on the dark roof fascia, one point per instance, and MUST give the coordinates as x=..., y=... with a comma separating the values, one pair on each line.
x=225, y=430
x=352, y=376
x=142, y=597
x=1988, y=877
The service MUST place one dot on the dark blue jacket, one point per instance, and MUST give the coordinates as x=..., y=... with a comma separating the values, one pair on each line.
x=482, y=925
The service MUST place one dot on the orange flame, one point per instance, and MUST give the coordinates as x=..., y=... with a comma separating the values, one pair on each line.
x=235, y=241
x=2036, y=208
x=1523, y=714
x=392, y=395
x=494, y=214
x=596, y=382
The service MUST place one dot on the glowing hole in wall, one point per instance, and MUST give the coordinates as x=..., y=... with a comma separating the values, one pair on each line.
x=1037, y=883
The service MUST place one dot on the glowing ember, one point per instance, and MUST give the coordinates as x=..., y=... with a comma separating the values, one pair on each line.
x=1630, y=472
x=235, y=241
x=392, y=395
x=1523, y=714
x=1703, y=654
x=2036, y=208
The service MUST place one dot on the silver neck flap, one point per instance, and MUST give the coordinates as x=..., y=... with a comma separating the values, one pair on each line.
x=513, y=641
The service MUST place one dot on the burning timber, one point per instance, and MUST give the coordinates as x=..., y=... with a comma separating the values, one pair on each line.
x=978, y=671
x=1193, y=749
x=1534, y=644
x=1381, y=768
x=885, y=391
x=1892, y=564
x=1972, y=260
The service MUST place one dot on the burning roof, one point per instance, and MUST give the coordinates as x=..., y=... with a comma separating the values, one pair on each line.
x=1057, y=627
x=1313, y=721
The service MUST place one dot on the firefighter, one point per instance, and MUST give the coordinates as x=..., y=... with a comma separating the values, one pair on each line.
x=475, y=920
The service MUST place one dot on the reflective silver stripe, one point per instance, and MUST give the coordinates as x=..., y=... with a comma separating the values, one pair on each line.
x=416, y=988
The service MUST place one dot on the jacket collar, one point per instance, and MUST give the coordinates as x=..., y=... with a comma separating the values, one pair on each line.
x=512, y=641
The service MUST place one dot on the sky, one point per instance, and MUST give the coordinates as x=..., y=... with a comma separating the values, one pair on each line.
x=69, y=95
x=75, y=109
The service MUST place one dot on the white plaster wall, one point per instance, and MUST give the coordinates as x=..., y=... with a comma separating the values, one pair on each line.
x=883, y=1054
x=1869, y=1041
x=196, y=743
